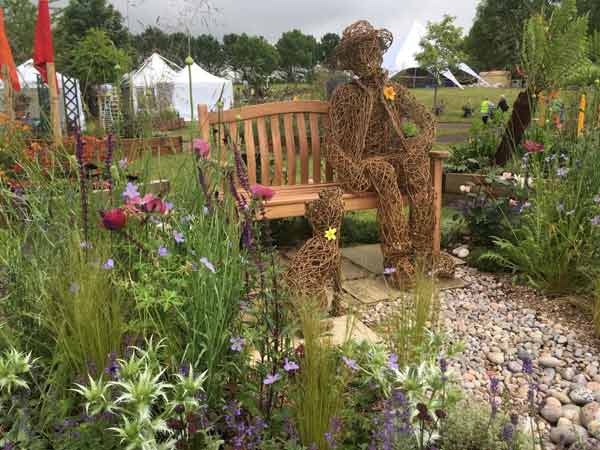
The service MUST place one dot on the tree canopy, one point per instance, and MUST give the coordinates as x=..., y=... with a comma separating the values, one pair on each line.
x=252, y=56
x=297, y=51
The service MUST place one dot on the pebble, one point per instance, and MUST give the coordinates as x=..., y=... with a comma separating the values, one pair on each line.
x=568, y=434
x=550, y=361
x=515, y=367
x=496, y=357
x=571, y=412
x=581, y=396
x=590, y=413
x=552, y=410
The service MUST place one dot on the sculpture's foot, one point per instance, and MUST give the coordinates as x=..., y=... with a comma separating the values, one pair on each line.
x=400, y=271
x=444, y=266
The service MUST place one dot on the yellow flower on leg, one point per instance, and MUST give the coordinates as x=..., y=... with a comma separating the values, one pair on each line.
x=389, y=93
x=330, y=234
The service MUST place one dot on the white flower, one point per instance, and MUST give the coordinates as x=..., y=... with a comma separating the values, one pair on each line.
x=465, y=188
x=506, y=175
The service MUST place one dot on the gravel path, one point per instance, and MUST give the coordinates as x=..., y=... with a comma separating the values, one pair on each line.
x=502, y=326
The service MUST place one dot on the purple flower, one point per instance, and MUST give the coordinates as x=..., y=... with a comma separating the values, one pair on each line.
x=123, y=163
x=562, y=172
x=443, y=365
x=508, y=433
x=186, y=219
x=393, y=361
x=596, y=221
x=162, y=251
x=131, y=192
x=290, y=366
x=389, y=270
x=237, y=344
x=178, y=237
x=109, y=264
x=168, y=206
x=350, y=363
x=527, y=366
x=208, y=264
x=271, y=379
x=494, y=385
x=184, y=369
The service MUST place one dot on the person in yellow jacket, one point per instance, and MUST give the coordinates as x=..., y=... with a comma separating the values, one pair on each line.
x=486, y=109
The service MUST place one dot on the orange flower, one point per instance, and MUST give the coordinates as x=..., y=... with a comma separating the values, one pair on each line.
x=389, y=93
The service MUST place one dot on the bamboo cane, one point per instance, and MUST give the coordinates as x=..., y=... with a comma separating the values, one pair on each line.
x=581, y=116
x=8, y=93
x=54, y=105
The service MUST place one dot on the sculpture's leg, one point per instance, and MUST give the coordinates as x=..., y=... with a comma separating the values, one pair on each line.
x=395, y=243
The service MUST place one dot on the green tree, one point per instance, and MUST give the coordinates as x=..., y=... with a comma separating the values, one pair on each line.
x=441, y=49
x=494, y=41
x=79, y=16
x=327, y=46
x=96, y=60
x=148, y=41
x=208, y=52
x=252, y=56
x=591, y=7
x=555, y=48
x=297, y=51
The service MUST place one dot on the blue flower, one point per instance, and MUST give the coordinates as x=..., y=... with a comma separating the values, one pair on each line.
x=596, y=221
x=350, y=363
x=237, y=344
x=271, y=379
x=162, y=251
x=290, y=366
x=131, y=191
x=168, y=206
x=178, y=237
x=208, y=264
x=109, y=264
x=393, y=361
x=562, y=172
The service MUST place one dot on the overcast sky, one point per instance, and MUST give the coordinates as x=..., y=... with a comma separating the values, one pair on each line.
x=269, y=18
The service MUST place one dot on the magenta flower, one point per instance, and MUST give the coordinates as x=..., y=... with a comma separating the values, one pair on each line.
x=290, y=366
x=114, y=220
x=261, y=192
x=533, y=147
x=179, y=238
x=201, y=148
x=271, y=379
x=350, y=363
x=237, y=344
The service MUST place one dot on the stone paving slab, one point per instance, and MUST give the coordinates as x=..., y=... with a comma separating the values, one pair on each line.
x=351, y=271
x=366, y=256
x=368, y=290
x=345, y=325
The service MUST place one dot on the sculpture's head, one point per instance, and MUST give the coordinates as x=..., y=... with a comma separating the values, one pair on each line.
x=362, y=48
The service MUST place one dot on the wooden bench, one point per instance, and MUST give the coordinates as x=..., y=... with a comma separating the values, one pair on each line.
x=283, y=146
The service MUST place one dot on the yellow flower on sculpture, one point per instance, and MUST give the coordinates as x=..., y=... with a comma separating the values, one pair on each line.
x=330, y=234
x=389, y=93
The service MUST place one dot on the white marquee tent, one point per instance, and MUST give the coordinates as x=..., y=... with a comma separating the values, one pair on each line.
x=28, y=78
x=206, y=89
x=154, y=74
x=401, y=56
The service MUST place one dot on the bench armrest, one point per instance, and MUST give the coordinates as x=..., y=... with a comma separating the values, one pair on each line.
x=439, y=154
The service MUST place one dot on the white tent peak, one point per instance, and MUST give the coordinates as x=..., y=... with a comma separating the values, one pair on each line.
x=154, y=70
x=401, y=55
x=198, y=74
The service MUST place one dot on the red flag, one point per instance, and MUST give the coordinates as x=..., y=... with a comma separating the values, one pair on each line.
x=43, y=51
x=6, y=56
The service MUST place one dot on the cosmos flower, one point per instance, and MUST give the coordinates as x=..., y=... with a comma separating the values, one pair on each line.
x=262, y=192
x=290, y=366
x=114, y=220
x=533, y=147
x=237, y=344
x=393, y=361
x=201, y=148
x=350, y=363
x=131, y=193
x=179, y=238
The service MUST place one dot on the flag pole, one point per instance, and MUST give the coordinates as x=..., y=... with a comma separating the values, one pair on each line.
x=54, y=111
x=8, y=93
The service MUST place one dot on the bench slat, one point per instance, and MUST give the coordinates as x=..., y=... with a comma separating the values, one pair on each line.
x=263, y=144
x=233, y=133
x=268, y=109
x=290, y=146
x=301, y=121
x=250, y=151
x=315, y=141
x=328, y=169
x=276, y=136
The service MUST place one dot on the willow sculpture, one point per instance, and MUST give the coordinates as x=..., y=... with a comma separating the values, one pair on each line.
x=379, y=140
x=317, y=264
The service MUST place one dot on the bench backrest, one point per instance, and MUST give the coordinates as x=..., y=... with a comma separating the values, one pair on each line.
x=287, y=135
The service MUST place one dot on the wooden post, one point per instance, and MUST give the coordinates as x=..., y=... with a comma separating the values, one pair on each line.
x=437, y=174
x=54, y=105
x=203, y=123
x=581, y=115
x=542, y=110
x=8, y=93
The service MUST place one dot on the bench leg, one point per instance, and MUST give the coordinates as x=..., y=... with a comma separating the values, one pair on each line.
x=437, y=174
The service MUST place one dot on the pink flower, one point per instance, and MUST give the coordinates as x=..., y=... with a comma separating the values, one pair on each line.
x=201, y=148
x=151, y=204
x=114, y=220
x=262, y=192
x=533, y=147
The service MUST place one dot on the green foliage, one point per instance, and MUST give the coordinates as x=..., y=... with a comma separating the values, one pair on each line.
x=441, y=47
x=252, y=56
x=317, y=392
x=554, y=245
x=297, y=51
x=327, y=46
x=554, y=48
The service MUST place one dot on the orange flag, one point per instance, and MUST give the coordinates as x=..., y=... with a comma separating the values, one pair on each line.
x=6, y=56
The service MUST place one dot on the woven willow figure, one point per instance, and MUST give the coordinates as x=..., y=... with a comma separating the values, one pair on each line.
x=317, y=263
x=379, y=140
